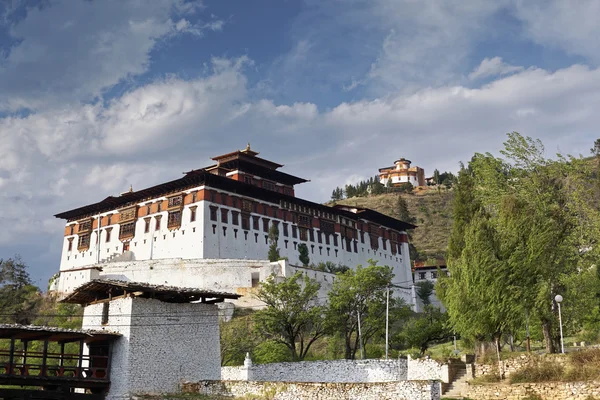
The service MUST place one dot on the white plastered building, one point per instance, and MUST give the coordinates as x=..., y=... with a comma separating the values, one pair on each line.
x=210, y=229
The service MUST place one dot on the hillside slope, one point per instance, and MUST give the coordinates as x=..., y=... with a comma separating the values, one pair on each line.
x=431, y=209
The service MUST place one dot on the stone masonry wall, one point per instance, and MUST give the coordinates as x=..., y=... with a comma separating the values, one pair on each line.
x=425, y=369
x=547, y=391
x=322, y=371
x=405, y=390
x=514, y=364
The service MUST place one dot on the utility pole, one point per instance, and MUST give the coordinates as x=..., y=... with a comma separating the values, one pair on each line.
x=98, y=238
x=362, y=350
x=387, y=320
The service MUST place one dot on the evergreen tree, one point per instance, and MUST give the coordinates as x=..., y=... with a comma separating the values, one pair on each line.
x=464, y=207
x=480, y=294
x=303, y=254
x=402, y=212
x=424, y=291
x=273, y=249
x=436, y=176
x=19, y=298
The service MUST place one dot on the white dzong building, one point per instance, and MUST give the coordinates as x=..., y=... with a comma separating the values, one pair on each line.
x=209, y=229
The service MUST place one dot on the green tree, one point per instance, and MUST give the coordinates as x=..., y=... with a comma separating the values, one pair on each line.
x=293, y=316
x=464, y=207
x=19, y=298
x=361, y=291
x=480, y=295
x=237, y=339
x=596, y=149
x=526, y=245
x=436, y=177
x=273, y=254
x=424, y=291
x=423, y=330
x=303, y=254
x=402, y=212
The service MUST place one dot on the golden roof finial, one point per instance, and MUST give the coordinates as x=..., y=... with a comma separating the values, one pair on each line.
x=130, y=188
x=248, y=147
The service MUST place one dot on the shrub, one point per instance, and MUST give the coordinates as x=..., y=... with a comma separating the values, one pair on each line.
x=532, y=396
x=542, y=371
x=488, y=378
x=585, y=365
x=585, y=357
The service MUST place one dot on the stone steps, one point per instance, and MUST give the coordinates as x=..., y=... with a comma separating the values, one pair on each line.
x=458, y=387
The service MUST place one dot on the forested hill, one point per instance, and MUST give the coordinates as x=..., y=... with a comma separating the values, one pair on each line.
x=431, y=210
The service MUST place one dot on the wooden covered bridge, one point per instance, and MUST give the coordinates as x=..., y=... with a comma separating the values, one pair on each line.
x=40, y=362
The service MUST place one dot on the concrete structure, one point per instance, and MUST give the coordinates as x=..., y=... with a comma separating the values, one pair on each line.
x=401, y=172
x=164, y=340
x=224, y=212
x=427, y=271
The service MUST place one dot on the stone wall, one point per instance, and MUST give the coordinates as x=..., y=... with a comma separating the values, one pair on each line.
x=547, y=391
x=322, y=371
x=514, y=364
x=425, y=369
x=413, y=390
x=162, y=344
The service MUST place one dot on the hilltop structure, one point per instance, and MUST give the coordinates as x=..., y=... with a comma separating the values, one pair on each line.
x=401, y=172
x=210, y=229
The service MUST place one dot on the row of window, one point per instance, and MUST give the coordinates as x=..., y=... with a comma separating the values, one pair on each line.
x=350, y=246
x=272, y=186
x=305, y=234
x=433, y=275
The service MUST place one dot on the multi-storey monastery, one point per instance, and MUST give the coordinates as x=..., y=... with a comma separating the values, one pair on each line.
x=402, y=172
x=210, y=229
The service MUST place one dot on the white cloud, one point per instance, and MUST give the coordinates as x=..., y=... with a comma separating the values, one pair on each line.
x=56, y=160
x=571, y=26
x=493, y=67
x=68, y=51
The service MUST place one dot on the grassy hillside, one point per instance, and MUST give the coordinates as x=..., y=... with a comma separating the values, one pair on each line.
x=432, y=210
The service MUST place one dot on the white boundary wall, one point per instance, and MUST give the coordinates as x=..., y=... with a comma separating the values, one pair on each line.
x=321, y=371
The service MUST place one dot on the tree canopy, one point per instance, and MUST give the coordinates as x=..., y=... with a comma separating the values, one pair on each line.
x=293, y=316
x=520, y=225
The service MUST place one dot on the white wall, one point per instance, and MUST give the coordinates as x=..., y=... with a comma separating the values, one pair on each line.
x=198, y=240
x=163, y=344
x=233, y=276
x=322, y=371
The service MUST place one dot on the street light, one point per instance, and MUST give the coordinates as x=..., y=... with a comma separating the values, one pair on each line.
x=558, y=298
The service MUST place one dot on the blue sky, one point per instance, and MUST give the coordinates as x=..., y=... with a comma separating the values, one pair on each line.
x=99, y=95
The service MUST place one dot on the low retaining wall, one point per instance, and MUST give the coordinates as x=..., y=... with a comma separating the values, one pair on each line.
x=322, y=371
x=514, y=364
x=426, y=369
x=547, y=391
x=405, y=390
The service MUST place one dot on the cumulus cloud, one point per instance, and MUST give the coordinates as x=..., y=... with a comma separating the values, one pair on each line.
x=493, y=67
x=75, y=147
x=92, y=46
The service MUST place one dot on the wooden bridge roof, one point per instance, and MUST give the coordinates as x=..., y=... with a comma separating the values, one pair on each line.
x=52, y=334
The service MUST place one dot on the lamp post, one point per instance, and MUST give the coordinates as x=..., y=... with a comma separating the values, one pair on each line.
x=558, y=298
